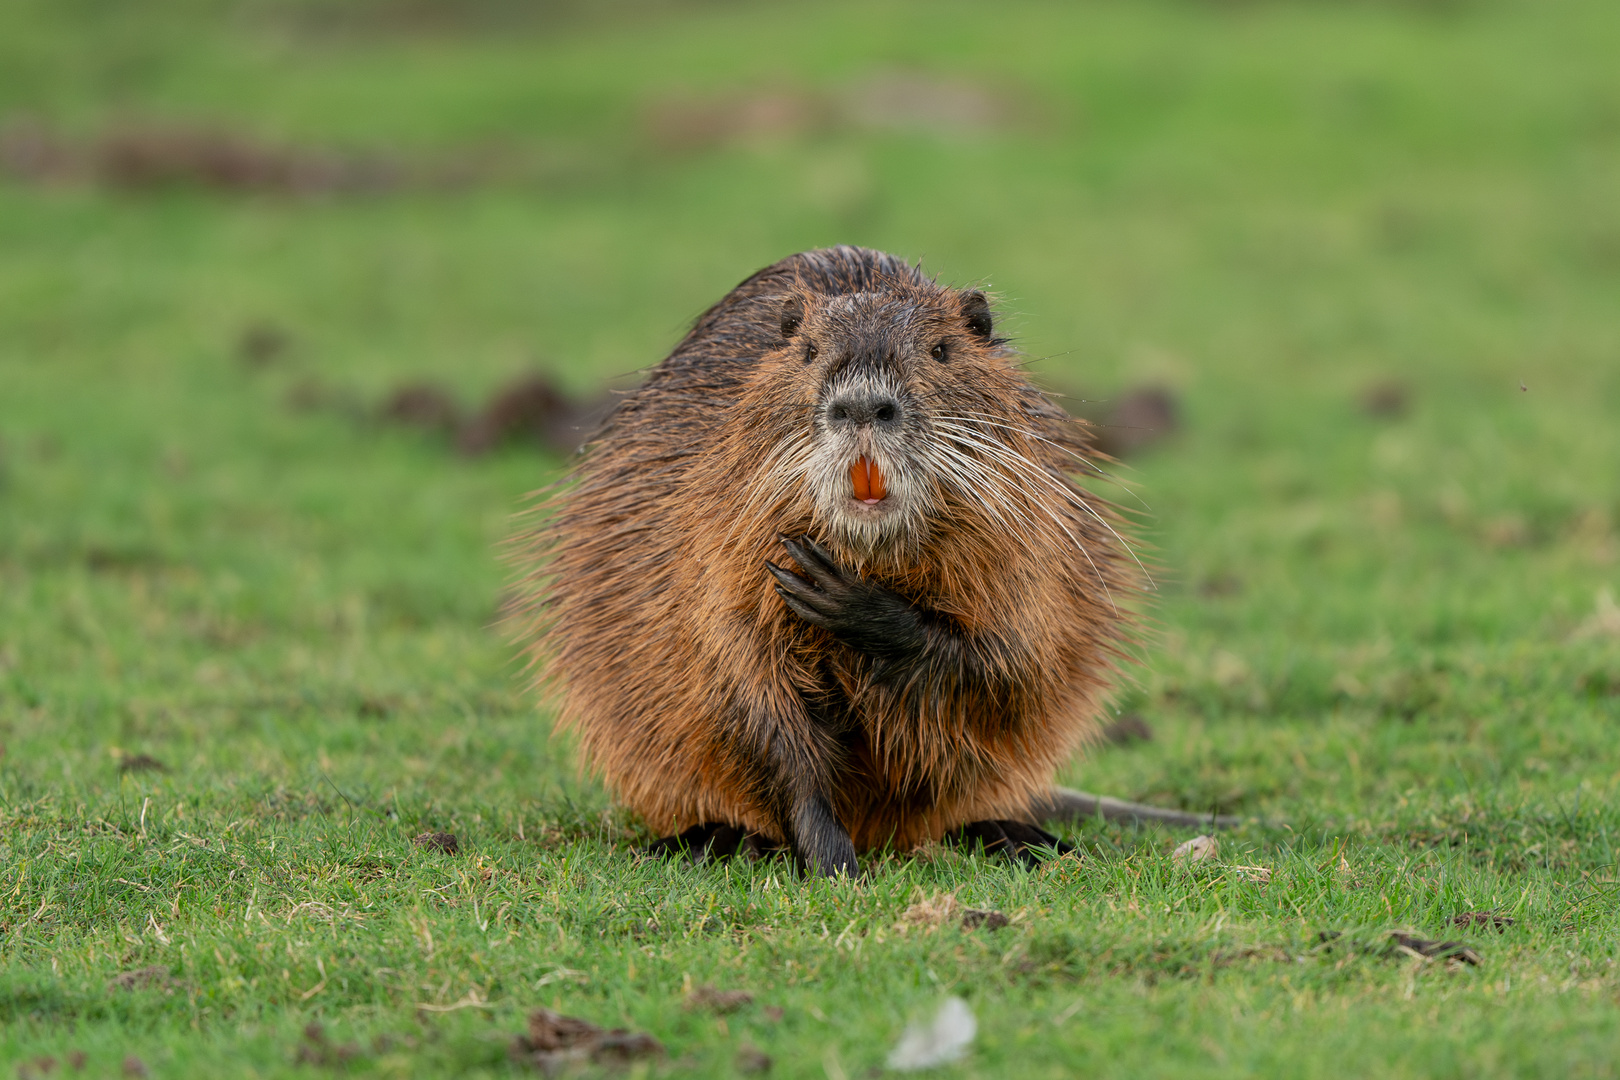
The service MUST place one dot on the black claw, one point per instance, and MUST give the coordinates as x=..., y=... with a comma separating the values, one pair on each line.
x=864, y=615
x=791, y=584
x=802, y=609
x=823, y=847
x=1016, y=840
x=817, y=562
x=713, y=841
x=700, y=843
x=1031, y=840
x=827, y=557
x=985, y=834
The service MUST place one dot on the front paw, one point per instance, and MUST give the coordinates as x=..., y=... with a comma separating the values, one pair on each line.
x=864, y=616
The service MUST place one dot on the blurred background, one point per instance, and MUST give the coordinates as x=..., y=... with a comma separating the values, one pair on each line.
x=298, y=299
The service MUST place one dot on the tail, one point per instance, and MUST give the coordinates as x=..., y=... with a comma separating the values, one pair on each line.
x=1067, y=805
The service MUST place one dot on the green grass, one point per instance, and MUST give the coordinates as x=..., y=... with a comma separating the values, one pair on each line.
x=1386, y=633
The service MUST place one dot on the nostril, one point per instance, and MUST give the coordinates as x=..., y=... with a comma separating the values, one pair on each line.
x=863, y=410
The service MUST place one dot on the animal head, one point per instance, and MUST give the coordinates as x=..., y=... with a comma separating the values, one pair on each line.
x=889, y=403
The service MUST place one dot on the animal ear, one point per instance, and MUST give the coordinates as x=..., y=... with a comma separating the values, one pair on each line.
x=976, y=313
x=792, y=316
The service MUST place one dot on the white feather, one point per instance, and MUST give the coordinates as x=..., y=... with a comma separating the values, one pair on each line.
x=946, y=1039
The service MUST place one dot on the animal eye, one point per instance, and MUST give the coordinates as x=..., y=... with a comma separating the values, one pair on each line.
x=810, y=352
x=938, y=352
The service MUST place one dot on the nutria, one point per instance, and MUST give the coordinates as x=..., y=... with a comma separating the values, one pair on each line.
x=825, y=580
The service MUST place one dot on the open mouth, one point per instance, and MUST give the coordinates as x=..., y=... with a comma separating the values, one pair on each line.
x=867, y=480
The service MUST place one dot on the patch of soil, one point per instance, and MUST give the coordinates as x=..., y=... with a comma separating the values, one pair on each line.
x=1219, y=585
x=751, y=1059
x=914, y=101
x=1128, y=729
x=1434, y=950
x=146, y=154
x=679, y=124
x=935, y=911
x=438, y=841
x=1387, y=399
x=44, y=1065
x=931, y=911
x=311, y=394
x=977, y=919
x=1496, y=922
x=532, y=409
x=424, y=405
x=554, y=1042
x=316, y=1049
x=261, y=345
x=154, y=154
x=375, y=707
x=884, y=101
x=716, y=1000
x=371, y=868
x=155, y=977
x=1598, y=684
x=122, y=559
x=1132, y=421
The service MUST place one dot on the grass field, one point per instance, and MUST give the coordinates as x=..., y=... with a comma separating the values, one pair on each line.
x=1394, y=636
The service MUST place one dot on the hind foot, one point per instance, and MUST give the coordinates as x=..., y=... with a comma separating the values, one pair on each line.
x=713, y=841
x=1015, y=840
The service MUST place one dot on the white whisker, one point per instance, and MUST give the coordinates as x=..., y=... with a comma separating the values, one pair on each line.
x=981, y=418
x=1007, y=455
x=1022, y=465
x=959, y=462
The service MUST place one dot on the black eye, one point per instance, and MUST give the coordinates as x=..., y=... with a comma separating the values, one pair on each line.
x=938, y=352
x=810, y=352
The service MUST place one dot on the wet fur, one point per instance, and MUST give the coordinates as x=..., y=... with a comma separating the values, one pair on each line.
x=701, y=696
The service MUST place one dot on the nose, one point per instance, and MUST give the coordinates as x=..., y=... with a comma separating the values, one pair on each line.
x=864, y=408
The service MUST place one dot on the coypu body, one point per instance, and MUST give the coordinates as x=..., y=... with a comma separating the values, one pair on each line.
x=826, y=580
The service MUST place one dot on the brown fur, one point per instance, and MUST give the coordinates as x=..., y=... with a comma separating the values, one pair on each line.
x=655, y=625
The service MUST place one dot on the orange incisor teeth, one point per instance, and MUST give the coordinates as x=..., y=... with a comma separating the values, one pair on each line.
x=867, y=480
